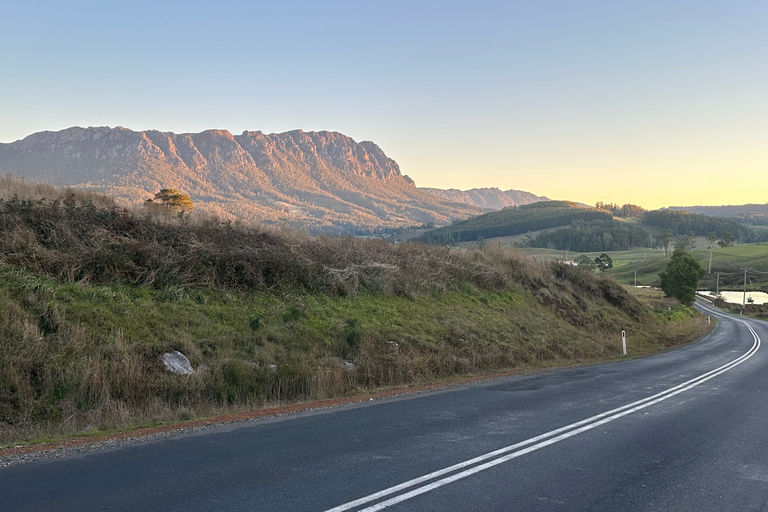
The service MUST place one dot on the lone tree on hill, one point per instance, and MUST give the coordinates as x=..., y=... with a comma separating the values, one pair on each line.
x=681, y=277
x=603, y=262
x=685, y=242
x=726, y=240
x=586, y=262
x=664, y=239
x=711, y=239
x=172, y=200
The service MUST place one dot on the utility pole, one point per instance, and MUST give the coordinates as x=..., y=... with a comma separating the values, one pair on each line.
x=744, y=300
x=717, y=285
x=635, y=278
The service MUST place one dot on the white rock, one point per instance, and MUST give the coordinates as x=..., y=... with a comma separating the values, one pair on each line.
x=177, y=363
x=347, y=366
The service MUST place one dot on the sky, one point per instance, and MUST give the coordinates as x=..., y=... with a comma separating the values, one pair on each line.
x=656, y=103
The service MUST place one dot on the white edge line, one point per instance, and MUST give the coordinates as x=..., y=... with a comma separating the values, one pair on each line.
x=632, y=406
x=514, y=455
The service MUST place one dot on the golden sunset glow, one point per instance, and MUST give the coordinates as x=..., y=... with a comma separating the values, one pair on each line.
x=651, y=104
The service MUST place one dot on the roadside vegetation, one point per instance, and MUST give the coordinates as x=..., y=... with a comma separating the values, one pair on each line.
x=91, y=295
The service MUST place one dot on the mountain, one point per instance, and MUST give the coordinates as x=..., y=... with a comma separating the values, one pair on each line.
x=319, y=181
x=489, y=198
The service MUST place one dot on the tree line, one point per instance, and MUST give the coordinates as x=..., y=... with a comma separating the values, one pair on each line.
x=627, y=211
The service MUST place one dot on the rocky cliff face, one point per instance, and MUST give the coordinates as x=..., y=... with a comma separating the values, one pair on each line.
x=490, y=198
x=321, y=181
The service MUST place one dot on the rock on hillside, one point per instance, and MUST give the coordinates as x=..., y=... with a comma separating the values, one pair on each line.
x=320, y=181
x=488, y=198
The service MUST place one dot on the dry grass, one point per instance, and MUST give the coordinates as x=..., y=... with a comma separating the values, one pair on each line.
x=92, y=294
x=11, y=187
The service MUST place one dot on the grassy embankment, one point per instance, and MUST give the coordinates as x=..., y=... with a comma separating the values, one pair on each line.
x=91, y=295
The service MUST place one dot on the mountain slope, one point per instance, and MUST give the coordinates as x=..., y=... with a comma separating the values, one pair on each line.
x=320, y=181
x=489, y=197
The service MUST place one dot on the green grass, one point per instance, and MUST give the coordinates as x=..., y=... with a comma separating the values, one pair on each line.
x=648, y=263
x=620, y=258
x=91, y=297
x=728, y=261
x=95, y=366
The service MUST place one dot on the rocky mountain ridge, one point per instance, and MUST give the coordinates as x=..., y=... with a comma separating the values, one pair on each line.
x=489, y=197
x=320, y=181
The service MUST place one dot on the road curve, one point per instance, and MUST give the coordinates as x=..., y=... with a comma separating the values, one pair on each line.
x=680, y=431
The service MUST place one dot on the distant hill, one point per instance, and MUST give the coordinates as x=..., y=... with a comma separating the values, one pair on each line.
x=515, y=220
x=319, y=181
x=724, y=211
x=753, y=214
x=489, y=198
x=699, y=224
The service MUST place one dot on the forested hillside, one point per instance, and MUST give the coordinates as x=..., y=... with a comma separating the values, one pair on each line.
x=515, y=221
x=592, y=236
x=684, y=223
x=753, y=219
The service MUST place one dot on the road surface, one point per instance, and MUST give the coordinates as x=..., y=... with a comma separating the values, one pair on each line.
x=682, y=431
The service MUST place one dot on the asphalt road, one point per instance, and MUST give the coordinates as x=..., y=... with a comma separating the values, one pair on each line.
x=684, y=430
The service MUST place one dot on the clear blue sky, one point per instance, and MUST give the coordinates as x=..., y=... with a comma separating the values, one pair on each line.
x=650, y=102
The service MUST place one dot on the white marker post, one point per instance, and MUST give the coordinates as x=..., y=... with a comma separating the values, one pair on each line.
x=624, y=342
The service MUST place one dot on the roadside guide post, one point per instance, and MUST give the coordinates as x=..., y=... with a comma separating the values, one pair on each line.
x=624, y=342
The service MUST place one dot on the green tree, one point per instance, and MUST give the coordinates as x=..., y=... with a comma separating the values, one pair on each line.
x=685, y=242
x=664, y=239
x=681, y=277
x=726, y=240
x=603, y=262
x=586, y=262
x=711, y=239
x=172, y=200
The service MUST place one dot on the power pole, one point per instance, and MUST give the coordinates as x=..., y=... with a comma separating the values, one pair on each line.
x=635, y=278
x=717, y=285
x=744, y=300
